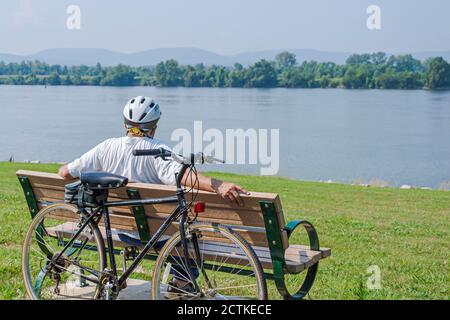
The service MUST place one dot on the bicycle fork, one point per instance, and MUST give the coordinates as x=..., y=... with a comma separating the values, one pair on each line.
x=193, y=237
x=199, y=259
x=187, y=261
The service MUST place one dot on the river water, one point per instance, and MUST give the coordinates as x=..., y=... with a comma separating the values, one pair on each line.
x=401, y=137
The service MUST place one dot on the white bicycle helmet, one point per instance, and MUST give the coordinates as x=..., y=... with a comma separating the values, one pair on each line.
x=141, y=112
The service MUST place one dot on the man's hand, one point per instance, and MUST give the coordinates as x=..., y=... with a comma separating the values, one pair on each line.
x=230, y=191
x=64, y=173
x=226, y=190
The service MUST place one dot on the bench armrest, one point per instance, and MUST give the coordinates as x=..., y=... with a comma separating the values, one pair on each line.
x=311, y=231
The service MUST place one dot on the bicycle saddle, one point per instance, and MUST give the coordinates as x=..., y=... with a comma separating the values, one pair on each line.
x=102, y=180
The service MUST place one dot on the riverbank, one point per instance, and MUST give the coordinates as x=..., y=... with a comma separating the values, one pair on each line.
x=372, y=183
x=404, y=232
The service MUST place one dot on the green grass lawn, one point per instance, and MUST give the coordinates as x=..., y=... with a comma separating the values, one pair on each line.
x=403, y=232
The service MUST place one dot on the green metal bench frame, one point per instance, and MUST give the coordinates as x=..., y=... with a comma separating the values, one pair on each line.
x=277, y=251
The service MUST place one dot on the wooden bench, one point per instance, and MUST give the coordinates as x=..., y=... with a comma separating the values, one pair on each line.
x=260, y=221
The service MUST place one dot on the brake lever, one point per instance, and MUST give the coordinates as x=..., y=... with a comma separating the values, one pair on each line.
x=163, y=156
x=211, y=160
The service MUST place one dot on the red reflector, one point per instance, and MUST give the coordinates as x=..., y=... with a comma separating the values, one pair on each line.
x=199, y=206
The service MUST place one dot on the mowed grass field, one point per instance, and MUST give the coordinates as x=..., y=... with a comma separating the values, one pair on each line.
x=403, y=232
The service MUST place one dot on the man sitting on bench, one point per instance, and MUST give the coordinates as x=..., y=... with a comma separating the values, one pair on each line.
x=115, y=155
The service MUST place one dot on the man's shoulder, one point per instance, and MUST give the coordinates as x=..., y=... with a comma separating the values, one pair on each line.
x=154, y=143
x=135, y=142
x=111, y=141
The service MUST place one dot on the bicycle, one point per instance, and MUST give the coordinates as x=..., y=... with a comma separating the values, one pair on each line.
x=71, y=261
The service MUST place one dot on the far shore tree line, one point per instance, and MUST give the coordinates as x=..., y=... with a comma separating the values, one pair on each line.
x=360, y=71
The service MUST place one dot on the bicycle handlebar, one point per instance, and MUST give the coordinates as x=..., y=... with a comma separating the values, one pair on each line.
x=163, y=153
x=150, y=152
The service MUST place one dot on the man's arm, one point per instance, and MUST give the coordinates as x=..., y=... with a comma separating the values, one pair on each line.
x=166, y=173
x=90, y=161
x=226, y=190
x=64, y=173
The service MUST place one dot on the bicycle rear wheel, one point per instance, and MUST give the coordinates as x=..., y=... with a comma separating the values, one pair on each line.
x=77, y=273
x=224, y=266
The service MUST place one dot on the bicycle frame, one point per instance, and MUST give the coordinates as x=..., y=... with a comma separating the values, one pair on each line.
x=149, y=245
x=180, y=210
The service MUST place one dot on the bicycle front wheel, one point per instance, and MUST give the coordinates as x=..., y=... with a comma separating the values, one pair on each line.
x=223, y=264
x=50, y=273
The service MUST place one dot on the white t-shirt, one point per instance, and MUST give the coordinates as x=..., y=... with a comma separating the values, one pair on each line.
x=115, y=155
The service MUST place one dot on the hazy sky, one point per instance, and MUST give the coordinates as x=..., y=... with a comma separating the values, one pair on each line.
x=227, y=26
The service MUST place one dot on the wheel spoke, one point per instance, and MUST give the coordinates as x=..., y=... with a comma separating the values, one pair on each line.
x=238, y=273
x=235, y=287
x=75, y=274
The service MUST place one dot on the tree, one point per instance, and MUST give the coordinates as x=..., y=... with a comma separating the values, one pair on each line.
x=237, y=76
x=438, y=73
x=308, y=72
x=19, y=80
x=200, y=72
x=404, y=63
x=119, y=76
x=98, y=71
x=216, y=76
x=77, y=81
x=388, y=80
x=31, y=79
x=3, y=68
x=65, y=71
x=191, y=77
x=262, y=75
x=95, y=80
x=285, y=60
x=411, y=80
x=357, y=77
x=357, y=59
x=168, y=74
x=292, y=78
x=67, y=81
x=378, y=58
x=54, y=79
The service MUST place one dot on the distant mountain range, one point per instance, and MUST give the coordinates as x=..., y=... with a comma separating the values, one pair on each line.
x=185, y=55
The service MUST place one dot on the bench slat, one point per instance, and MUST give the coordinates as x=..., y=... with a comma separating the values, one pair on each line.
x=123, y=222
x=298, y=258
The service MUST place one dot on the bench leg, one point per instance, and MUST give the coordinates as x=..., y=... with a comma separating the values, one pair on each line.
x=139, y=216
x=307, y=284
x=277, y=251
x=314, y=245
x=29, y=195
